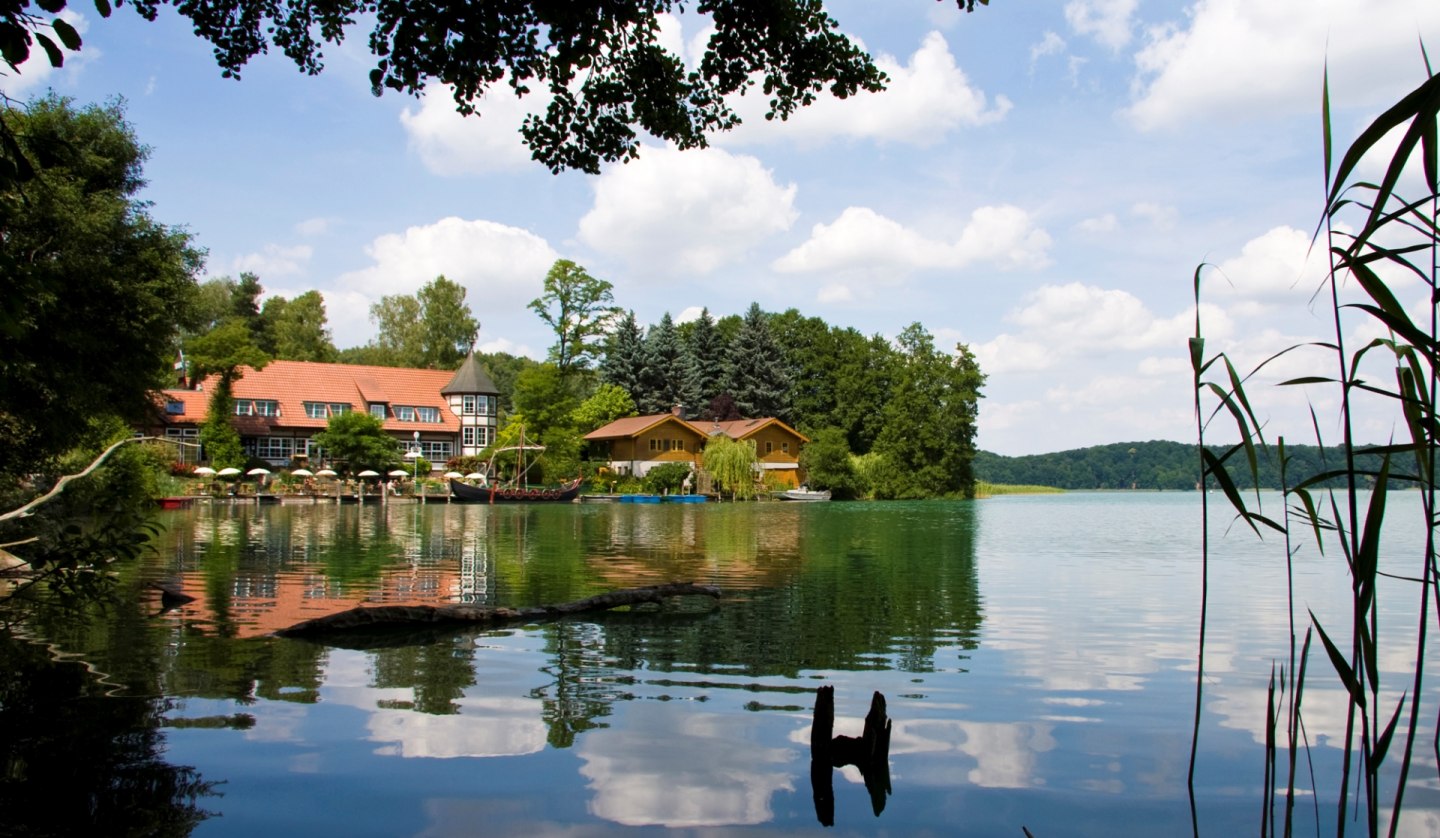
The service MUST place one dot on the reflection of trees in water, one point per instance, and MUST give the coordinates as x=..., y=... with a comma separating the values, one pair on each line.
x=77, y=761
x=580, y=693
x=437, y=673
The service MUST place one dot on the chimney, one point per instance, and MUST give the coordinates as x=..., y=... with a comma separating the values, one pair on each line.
x=678, y=411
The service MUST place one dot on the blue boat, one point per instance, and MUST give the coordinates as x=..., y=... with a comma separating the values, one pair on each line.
x=640, y=498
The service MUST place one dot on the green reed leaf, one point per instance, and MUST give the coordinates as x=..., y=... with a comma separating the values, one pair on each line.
x=1311, y=515
x=1342, y=668
x=1420, y=104
x=1382, y=742
x=1214, y=467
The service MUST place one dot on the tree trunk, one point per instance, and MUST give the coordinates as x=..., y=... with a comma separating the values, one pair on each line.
x=410, y=616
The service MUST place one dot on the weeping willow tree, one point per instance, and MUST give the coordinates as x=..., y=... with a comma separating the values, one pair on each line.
x=732, y=465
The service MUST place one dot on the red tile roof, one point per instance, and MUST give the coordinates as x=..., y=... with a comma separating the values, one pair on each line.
x=292, y=383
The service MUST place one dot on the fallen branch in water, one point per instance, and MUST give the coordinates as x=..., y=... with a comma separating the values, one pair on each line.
x=380, y=616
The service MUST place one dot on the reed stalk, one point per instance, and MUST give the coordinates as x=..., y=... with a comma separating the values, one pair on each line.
x=1371, y=235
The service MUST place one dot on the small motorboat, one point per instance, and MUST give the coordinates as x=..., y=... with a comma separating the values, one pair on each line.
x=804, y=493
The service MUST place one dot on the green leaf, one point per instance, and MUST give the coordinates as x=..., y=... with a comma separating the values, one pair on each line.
x=1342, y=668
x=103, y=7
x=67, y=34
x=51, y=6
x=57, y=58
x=1382, y=742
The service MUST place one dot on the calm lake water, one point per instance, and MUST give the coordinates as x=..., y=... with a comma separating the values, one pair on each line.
x=1038, y=656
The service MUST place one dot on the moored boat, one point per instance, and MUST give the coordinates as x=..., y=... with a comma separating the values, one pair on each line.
x=804, y=494
x=461, y=491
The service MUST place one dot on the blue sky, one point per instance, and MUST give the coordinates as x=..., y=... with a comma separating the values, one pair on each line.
x=1040, y=182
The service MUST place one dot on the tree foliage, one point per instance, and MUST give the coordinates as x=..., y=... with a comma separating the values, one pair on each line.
x=756, y=374
x=92, y=289
x=356, y=441
x=431, y=329
x=666, y=380
x=225, y=352
x=604, y=70
x=827, y=463
x=608, y=403
x=732, y=465
x=577, y=307
x=927, y=440
x=623, y=364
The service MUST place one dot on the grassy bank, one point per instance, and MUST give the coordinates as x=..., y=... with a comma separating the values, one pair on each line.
x=984, y=489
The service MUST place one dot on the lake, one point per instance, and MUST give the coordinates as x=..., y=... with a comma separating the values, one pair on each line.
x=1037, y=655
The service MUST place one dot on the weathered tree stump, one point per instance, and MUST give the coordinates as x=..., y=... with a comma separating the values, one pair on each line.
x=373, y=617
x=870, y=753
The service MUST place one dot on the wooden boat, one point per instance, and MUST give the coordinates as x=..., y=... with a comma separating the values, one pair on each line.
x=182, y=502
x=804, y=494
x=513, y=494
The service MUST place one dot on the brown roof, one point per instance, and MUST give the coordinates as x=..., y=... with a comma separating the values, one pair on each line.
x=735, y=429
x=741, y=428
x=292, y=383
x=636, y=425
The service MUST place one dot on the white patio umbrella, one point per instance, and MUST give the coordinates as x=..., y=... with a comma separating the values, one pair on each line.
x=399, y=472
x=325, y=472
x=227, y=472
x=451, y=475
x=204, y=471
x=257, y=472
x=368, y=473
x=303, y=472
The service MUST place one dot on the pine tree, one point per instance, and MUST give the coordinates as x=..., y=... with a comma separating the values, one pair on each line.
x=624, y=361
x=707, y=363
x=756, y=370
x=666, y=373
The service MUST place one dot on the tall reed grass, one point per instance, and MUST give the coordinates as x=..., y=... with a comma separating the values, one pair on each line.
x=1376, y=238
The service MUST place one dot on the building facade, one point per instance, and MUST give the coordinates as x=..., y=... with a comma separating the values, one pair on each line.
x=278, y=409
x=636, y=444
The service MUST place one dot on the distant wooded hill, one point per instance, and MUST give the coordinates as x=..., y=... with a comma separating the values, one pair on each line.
x=1148, y=465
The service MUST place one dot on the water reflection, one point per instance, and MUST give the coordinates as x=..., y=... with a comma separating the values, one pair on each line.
x=679, y=718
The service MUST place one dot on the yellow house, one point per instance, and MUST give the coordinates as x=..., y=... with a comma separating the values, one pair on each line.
x=776, y=444
x=636, y=444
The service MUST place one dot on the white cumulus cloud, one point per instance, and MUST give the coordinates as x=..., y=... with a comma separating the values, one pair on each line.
x=925, y=98
x=674, y=213
x=863, y=241
x=451, y=144
x=1107, y=21
x=1239, y=58
x=502, y=268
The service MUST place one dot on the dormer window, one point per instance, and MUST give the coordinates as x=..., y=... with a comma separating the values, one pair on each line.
x=377, y=409
x=175, y=408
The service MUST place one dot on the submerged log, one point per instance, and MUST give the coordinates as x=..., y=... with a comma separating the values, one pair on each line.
x=408, y=616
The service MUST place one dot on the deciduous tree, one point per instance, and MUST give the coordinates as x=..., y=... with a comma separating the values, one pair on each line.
x=225, y=352
x=92, y=289
x=356, y=441
x=928, y=436
x=578, y=308
x=604, y=69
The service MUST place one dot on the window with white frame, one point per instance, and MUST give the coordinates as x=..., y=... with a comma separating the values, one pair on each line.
x=316, y=410
x=437, y=452
x=405, y=413
x=467, y=437
x=467, y=405
x=377, y=409
x=428, y=414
